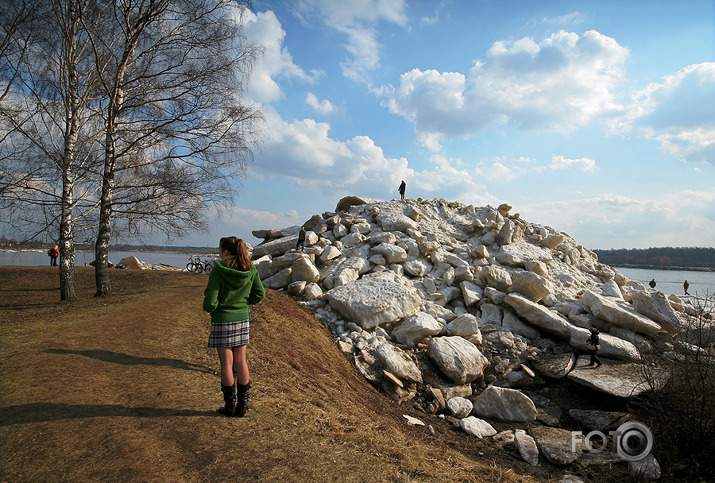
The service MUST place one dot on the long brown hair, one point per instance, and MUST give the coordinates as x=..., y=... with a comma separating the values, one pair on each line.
x=236, y=248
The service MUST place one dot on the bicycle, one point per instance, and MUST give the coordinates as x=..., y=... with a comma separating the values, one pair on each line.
x=195, y=265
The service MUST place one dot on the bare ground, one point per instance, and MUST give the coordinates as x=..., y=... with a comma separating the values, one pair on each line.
x=124, y=388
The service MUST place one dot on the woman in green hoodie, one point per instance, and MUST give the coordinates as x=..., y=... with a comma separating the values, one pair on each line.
x=233, y=286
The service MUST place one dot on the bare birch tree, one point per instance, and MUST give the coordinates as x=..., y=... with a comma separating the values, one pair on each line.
x=47, y=118
x=176, y=128
x=134, y=108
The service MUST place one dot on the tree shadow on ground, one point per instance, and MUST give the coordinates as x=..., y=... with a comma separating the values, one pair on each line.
x=43, y=412
x=49, y=289
x=127, y=360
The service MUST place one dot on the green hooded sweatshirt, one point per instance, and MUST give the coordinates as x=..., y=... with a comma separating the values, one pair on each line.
x=230, y=292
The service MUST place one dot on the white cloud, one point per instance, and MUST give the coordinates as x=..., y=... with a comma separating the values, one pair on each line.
x=442, y=6
x=356, y=19
x=447, y=176
x=240, y=219
x=324, y=107
x=364, y=47
x=498, y=171
x=582, y=164
x=303, y=151
x=677, y=113
x=693, y=198
x=614, y=221
x=572, y=18
x=425, y=20
x=265, y=30
x=240, y=222
x=563, y=82
x=339, y=13
x=695, y=146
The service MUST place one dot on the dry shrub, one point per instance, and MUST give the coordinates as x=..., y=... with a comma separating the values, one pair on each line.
x=681, y=415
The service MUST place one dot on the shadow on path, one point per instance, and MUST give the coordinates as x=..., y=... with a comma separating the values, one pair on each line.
x=127, y=360
x=41, y=412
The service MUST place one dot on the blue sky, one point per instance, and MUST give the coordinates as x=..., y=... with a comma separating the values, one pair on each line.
x=594, y=117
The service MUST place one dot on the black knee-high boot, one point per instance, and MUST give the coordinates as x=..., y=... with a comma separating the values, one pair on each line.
x=242, y=403
x=229, y=398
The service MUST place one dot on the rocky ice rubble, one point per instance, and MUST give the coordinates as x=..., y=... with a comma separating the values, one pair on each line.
x=133, y=263
x=457, y=308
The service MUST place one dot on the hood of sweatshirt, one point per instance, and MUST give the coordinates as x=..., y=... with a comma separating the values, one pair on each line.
x=230, y=276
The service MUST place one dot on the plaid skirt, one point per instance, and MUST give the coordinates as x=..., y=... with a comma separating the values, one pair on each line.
x=229, y=334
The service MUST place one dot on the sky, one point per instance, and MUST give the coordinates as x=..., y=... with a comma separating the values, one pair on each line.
x=596, y=118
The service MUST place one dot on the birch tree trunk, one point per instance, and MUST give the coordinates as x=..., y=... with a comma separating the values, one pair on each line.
x=137, y=21
x=72, y=120
x=101, y=247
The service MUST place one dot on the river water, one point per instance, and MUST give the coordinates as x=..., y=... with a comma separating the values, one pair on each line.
x=667, y=281
x=28, y=258
x=671, y=281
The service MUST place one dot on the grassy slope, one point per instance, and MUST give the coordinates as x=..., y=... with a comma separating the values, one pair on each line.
x=124, y=387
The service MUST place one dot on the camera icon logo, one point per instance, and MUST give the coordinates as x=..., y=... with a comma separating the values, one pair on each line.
x=632, y=441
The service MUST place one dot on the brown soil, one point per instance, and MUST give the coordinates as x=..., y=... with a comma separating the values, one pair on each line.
x=124, y=388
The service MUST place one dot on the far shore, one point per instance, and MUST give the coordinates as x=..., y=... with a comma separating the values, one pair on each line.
x=665, y=267
x=202, y=251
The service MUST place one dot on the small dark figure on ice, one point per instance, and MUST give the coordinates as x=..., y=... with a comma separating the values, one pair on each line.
x=53, y=253
x=593, y=346
x=301, y=239
x=685, y=287
x=652, y=283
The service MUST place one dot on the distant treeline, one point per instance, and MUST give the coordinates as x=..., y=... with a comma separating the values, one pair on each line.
x=667, y=257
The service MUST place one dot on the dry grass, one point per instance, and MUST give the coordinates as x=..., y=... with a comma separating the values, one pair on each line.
x=124, y=388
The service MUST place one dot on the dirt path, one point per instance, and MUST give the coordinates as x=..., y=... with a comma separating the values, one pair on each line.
x=124, y=388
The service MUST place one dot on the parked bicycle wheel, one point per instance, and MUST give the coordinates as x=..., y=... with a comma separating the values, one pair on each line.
x=208, y=266
x=195, y=265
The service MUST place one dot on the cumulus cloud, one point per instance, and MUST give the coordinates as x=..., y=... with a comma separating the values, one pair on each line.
x=677, y=113
x=356, y=19
x=303, y=151
x=674, y=219
x=562, y=82
x=264, y=29
x=446, y=176
x=582, y=164
x=241, y=222
x=324, y=107
x=498, y=171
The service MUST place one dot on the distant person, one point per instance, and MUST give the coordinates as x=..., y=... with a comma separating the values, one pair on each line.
x=53, y=254
x=401, y=189
x=301, y=239
x=685, y=287
x=234, y=285
x=652, y=283
x=593, y=346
